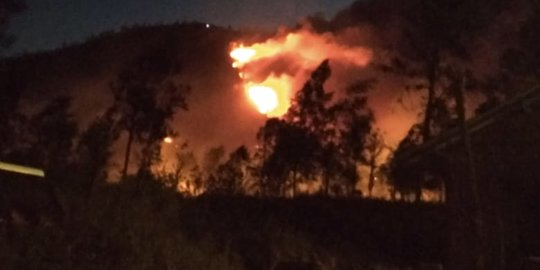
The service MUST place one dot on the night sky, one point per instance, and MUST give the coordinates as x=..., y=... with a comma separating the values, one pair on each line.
x=50, y=23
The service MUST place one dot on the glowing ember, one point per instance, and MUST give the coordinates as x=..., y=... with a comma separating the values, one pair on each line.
x=265, y=98
x=242, y=56
x=168, y=140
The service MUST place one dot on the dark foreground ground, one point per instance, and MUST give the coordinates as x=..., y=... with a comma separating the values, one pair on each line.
x=145, y=226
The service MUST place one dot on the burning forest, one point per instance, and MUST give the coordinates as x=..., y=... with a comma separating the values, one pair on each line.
x=375, y=134
x=270, y=70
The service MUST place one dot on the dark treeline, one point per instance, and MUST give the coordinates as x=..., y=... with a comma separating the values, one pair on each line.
x=82, y=216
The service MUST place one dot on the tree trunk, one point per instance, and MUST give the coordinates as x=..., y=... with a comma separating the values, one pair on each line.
x=128, y=152
x=371, y=180
x=294, y=184
x=432, y=84
x=426, y=126
x=473, y=211
x=326, y=184
x=473, y=181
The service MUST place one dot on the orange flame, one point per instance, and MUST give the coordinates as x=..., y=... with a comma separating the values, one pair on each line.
x=242, y=56
x=168, y=140
x=302, y=51
x=271, y=97
x=264, y=97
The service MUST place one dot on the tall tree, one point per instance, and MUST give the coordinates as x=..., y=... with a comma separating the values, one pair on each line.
x=230, y=176
x=146, y=97
x=293, y=145
x=520, y=64
x=311, y=114
x=353, y=124
x=437, y=35
x=437, y=40
x=289, y=156
x=94, y=150
x=212, y=158
x=436, y=44
x=406, y=179
x=375, y=147
x=318, y=138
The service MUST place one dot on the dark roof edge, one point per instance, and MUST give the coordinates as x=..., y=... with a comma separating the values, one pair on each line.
x=523, y=100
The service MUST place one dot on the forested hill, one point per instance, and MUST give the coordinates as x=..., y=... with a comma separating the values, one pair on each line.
x=84, y=72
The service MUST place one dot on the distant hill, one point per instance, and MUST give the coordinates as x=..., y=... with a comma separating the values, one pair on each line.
x=217, y=112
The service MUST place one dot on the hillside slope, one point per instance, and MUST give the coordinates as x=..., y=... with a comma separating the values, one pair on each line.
x=85, y=71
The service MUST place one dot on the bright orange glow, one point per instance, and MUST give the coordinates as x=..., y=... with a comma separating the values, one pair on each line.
x=264, y=97
x=282, y=87
x=168, y=140
x=242, y=56
x=272, y=96
x=271, y=69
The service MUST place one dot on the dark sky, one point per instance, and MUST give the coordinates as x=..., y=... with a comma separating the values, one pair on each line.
x=49, y=23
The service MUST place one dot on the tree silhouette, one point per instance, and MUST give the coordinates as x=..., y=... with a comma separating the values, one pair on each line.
x=312, y=117
x=146, y=97
x=520, y=64
x=307, y=132
x=270, y=175
x=352, y=126
x=404, y=178
x=288, y=156
x=210, y=163
x=94, y=150
x=212, y=158
x=437, y=35
x=375, y=147
x=318, y=138
x=230, y=176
